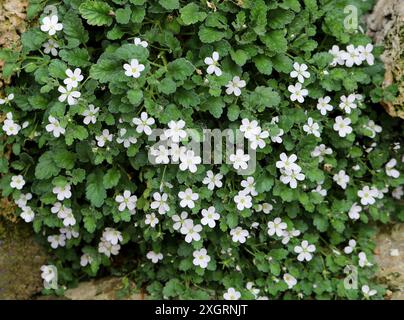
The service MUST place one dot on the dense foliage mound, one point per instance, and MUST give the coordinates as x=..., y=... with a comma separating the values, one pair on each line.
x=96, y=79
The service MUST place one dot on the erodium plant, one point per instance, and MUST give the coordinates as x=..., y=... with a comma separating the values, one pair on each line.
x=94, y=79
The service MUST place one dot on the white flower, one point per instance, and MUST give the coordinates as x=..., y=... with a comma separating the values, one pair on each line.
x=291, y=177
x=372, y=126
x=61, y=210
x=342, y=126
x=265, y=207
x=85, y=259
x=189, y=161
x=243, y=201
x=287, y=163
x=319, y=189
x=390, y=170
x=297, y=93
x=51, y=47
x=323, y=104
x=10, y=127
x=213, y=180
x=127, y=200
x=175, y=131
x=366, y=54
x=278, y=138
x=300, y=72
x=176, y=152
x=27, y=214
x=160, y=202
x=213, y=64
x=398, y=193
x=320, y=151
x=55, y=127
x=367, y=195
x=151, y=220
x=231, y=294
x=351, y=246
x=239, y=159
x=188, y=198
x=348, y=103
x=69, y=220
x=50, y=25
x=258, y=141
x=249, y=186
x=104, y=138
x=17, y=182
x=287, y=235
x=209, y=217
x=140, y=42
x=338, y=56
x=70, y=94
x=250, y=128
x=239, y=234
x=363, y=260
x=123, y=139
x=201, y=258
x=342, y=179
x=22, y=200
x=250, y=287
x=304, y=251
x=162, y=154
x=154, y=257
x=62, y=192
x=289, y=280
x=73, y=78
x=112, y=236
x=90, y=114
x=312, y=127
x=143, y=124
x=133, y=69
x=351, y=56
x=179, y=220
x=354, y=211
x=48, y=273
x=58, y=240
x=7, y=99
x=234, y=86
x=367, y=292
x=191, y=231
x=276, y=227
x=69, y=232
x=107, y=248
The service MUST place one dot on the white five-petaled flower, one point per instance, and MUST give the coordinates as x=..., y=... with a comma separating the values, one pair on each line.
x=350, y=247
x=90, y=114
x=151, y=220
x=239, y=234
x=250, y=128
x=175, y=131
x=144, y=123
x=126, y=200
x=189, y=161
x=86, y=259
x=104, y=138
x=22, y=200
x=305, y=251
x=70, y=94
x=134, y=68
x=27, y=214
x=154, y=257
x=191, y=231
x=366, y=54
x=342, y=126
x=243, y=201
x=209, y=217
x=201, y=258
x=258, y=141
x=179, y=220
x=321, y=151
x=391, y=171
x=287, y=163
x=187, y=198
x=17, y=182
x=7, y=99
x=161, y=153
x=213, y=180
x=48, y=273
x=10, y=127
x=291, y=177
x=367, y=195
x=51, y=47
x=289, y=280
x=234, y=86
x=140, y=42
x=338, y=56
x=342, y=179
x=323, y=104
x=213, y=64
x=249, y=186
x=276, y=227
x=62, y=192
x=297, y=93
x=367, y=292
x=287, y=235
x=348, y=103
x=127, y=141
x=231, y=294
x=300, y=72
x=239, y=159
x=73, y=78
x=312, y=127
x=363, y=260
x=57, y=240
x=51, y=25
x=372, y=126
x=55, y=127
x=160, y=202
x=354, y=211
x=352, y=56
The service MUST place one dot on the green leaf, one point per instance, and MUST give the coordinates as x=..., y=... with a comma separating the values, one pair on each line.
x=209, y=35
x=167, y=86
x=32, y=40
x=97, y=13
x=190, y=14
x=64, y=159
x=135, y=96
x=263, y=64
x=214, y=105
x=95, y=191
x=275, y=41
x=74, y=30
x=123, y=15
x=77, y=57
x=46, y=166
x=170, y=4
x=239, y=56
x=180, y=69
x=111, y=178
x=57, y=69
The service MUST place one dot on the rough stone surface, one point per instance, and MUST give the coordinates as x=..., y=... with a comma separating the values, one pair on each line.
x=390, y=258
